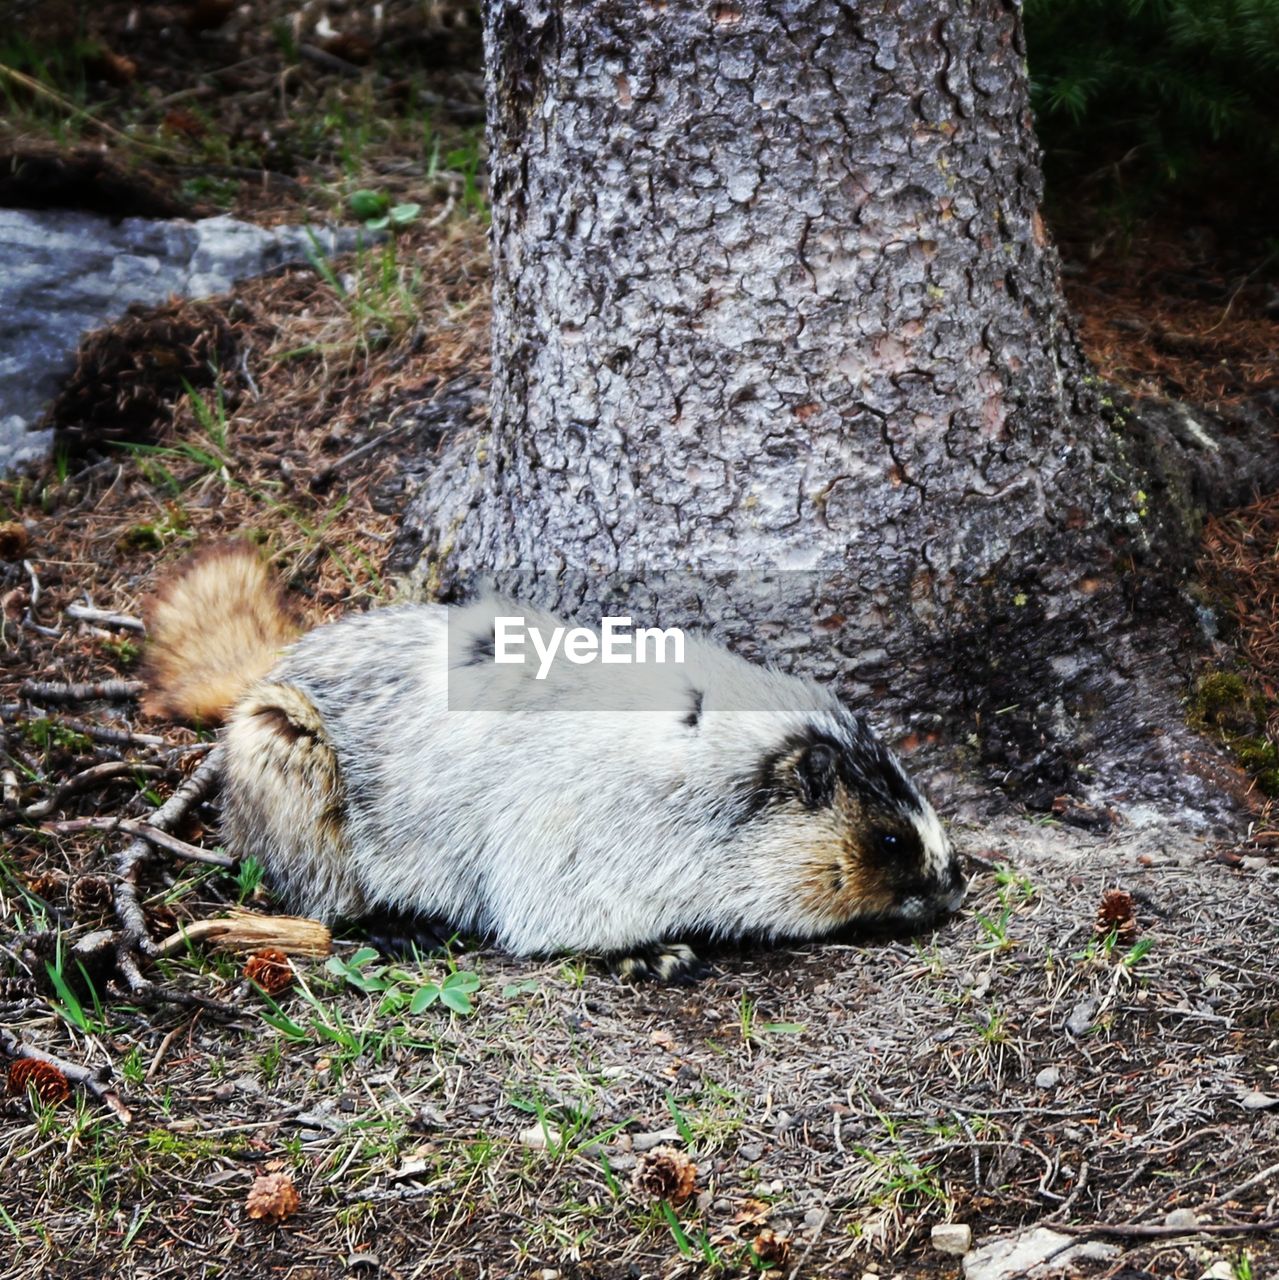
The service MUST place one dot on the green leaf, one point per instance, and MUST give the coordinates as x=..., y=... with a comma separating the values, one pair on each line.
x=69, y=1007
x=456, y=999
x=403, y=214
x=365, y=204
x=424, y=998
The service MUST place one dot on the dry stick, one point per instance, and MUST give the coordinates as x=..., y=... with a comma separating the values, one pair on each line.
x=130, y=860
x=132, y=827
x=94, y=1080
x=29, y=618
x=122, y=621
x=107, y=733
x=1242, y=1187
x=142, y=989
x=1154, y=1231
x=330, y=61
x=56, y=691
x=247, y=931
x=92, y=777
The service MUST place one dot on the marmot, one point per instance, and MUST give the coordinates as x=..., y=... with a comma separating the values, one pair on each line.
x=386, y=769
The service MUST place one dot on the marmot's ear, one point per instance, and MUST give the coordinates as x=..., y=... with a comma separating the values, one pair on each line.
x=815, y=774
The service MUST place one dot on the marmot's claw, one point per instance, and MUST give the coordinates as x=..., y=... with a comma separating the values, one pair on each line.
x=671, y=962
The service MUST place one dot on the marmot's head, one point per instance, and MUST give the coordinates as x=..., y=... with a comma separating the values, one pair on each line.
x=858, y=843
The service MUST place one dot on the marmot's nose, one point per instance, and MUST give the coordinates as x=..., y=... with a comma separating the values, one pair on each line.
x=956, y=887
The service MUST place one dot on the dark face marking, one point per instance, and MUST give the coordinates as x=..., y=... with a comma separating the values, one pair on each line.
x=895, y=853
x=482, y=650
x=694, y=717
x=809, y=765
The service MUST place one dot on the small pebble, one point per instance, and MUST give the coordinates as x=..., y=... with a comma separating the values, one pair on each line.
x=539, y=1137
x=1182, y=1218
x=1080, y=1019
x=658, y=1138
x=750, y=1151
x=1258, y=1101
x=952, y=1237
x=1047, y=1078
x=1220, y=1270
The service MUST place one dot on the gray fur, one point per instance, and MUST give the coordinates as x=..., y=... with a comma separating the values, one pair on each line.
x=556, y=814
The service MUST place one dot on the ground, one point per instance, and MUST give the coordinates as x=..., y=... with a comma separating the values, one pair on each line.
x=1046, y=1057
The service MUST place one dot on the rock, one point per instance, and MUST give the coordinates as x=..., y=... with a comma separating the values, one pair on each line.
x=1220, y=1270
x=1047, y=1078
x=647, y=1141
x=1255, y=1101
x=1080, y=1019
x=64, y=273
x=1186, y=1218
x=952, y=1237
x=751, y=1151
x=1037, y=1254
x=538, y=1137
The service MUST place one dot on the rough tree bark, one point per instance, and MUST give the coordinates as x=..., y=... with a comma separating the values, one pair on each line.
x=772, y=292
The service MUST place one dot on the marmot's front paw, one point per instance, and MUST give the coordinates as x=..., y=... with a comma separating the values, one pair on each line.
x=396, y=935
x=660, y=962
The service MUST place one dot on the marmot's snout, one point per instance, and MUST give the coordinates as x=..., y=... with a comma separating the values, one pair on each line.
x=942, y=885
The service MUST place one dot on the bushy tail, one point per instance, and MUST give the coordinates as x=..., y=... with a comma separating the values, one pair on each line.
x=214, y=630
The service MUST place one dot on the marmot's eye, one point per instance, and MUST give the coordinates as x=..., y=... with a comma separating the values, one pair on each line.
x=889, y=845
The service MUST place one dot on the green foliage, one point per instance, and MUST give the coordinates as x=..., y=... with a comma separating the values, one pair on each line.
x=1159, y=87
x=1225, y=705
x=399, y=989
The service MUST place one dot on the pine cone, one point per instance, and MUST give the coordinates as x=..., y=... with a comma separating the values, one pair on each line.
x=270, y=969
x=13, y=540
x=1115, y=915
x=272, y=1198
x=771, y=1247
x=50, y=1084
x=664, y=1174
x=92, y=896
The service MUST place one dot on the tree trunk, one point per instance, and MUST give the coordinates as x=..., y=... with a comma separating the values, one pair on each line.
x=772, y=294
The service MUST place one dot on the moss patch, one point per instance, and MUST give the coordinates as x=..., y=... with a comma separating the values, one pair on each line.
x=1226, y=705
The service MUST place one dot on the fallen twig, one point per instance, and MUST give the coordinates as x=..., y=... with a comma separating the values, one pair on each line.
x=107, y=690
x=249, y=931
x=122, y=621
x=108, y=733
x=147, y=832
x=329, y=61
x=144, y=991
x=1158, y=1231
x=133, y=857
x=29, y=620
x=86, y=780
